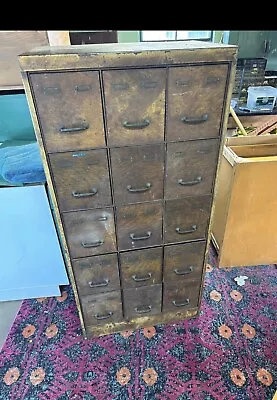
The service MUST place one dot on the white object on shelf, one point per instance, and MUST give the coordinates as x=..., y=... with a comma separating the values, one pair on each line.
x=261, y=98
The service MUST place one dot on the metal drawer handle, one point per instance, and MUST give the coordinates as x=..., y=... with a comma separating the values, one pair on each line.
x=136, y=125
x=181, y=304
x=88, y=194
x=82, y=88
x=197, y=120
x=137, y=190
x=148, y=84
x=197, y=180
x=143, y=309
x=93, y=244
x=102, y=218
x=51, y=90
x=105, y=316
x=147, y=236
x=98, y=284
x=185, y=271
x=145, y=278
x=182, y=232
x=79, y=128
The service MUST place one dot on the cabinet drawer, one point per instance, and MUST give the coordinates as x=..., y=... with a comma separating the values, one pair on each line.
x=81, y=179
x=102, y=308
x=142, y=301
x=137, y=173
x=195, y=101
x=187, y=219
x=141, y=267
x=191, y=168
x=180, y=297
x=96, y=274
x=70, y=109
x=90, y=232
x=139, y=225
x=135, y=103
x=183, y=262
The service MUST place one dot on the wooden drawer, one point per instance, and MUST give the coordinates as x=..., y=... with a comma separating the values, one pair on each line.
x=96, y=274
x=141, y=267
x=179, y=297
x=190, y=168
x=90, y=232
x=142, y=301
x=139, y=225
x=137, y=173
x=135, y=103
x=81, y=179
x=186, y=219
x=102, y=308
x=195, y=101
x=183, y=262
x=70, y=109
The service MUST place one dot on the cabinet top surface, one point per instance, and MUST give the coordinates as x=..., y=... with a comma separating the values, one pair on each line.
x=124, y=54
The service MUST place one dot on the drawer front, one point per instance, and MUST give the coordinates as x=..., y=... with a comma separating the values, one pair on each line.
x=139, y=225
x=191, y=168
x=81, y=179
x=102, y=308
x=180, y=297
x=141, y=267
x=70, y=110
x=137, y=173
x=143, y=301
x=195, y=101
x=135, y=103
x=187, y=219
x=96, y=274
x=90, y=232
x=184, y=262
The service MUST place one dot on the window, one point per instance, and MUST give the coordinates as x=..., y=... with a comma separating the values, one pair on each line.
x=149, y=36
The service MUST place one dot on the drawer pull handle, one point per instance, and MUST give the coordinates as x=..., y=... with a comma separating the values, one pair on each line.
x=88, y=194
x=143, y=309
x=137, y=190
x=182, y=232
x=98, y=284
x=148, y=84
x=78, y=128
x=147, y=236
x=181, y=304
x=105, y=316
x=197, y=120
x=185, y=271
x=82, y=88
x=190, y=183
x=51, y=90
x=144, y=278
x=93, y=244
x=120, y=86
x=102, y=218
x=136, y=125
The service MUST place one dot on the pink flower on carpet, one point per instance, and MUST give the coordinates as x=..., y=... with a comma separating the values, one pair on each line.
x=225, y=331
x=149, y=332
x=214, y=295
x=51, y=331
x=264, y=377
x=150, y=376
x=11, y=376
x=123, y=376
x=209, y=267
x=63, y=297
x=248, y=331
x=237, y=296
x=37, y=376
x=237, y=377
x=28, y=331
x=126, y=333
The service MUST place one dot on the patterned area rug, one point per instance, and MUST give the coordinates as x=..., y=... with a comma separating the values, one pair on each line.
x=227, y=353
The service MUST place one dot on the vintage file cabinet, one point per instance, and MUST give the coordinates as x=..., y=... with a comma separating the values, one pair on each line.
x=131, y=137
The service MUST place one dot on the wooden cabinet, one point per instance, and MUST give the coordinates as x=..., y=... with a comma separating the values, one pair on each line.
x=131, y=136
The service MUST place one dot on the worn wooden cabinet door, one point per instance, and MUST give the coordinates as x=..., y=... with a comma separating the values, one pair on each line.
x=131, y=135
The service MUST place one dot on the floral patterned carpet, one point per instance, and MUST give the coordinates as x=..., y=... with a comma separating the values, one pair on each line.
x=227, y=353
